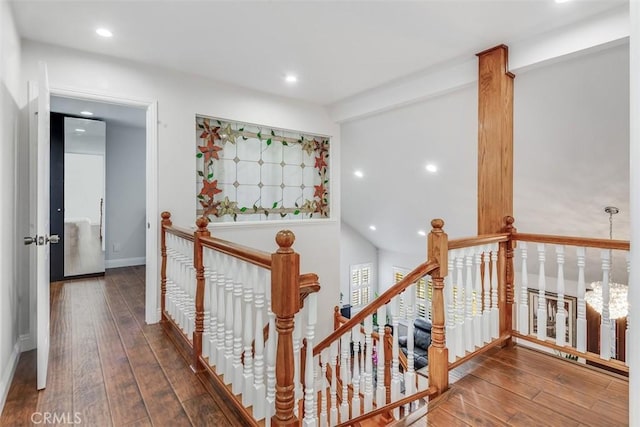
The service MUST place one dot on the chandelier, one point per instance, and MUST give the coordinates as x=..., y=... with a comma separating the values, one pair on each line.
x=618, y=303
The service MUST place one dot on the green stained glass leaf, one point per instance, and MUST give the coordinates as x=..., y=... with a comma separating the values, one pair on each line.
x=259, y=135
x=219, y=122
x=201, y=174
x=210, y=176
x=269, y=141
x=243, y=209
x=285, y=143
x=275, y=205
x=282, y=215
x=199, y=155
x=266, y=213
x=200, y=196
x=244, y=138
x=200, y=126
x=273, y=133
x=255, y=208
x=296, y=212
x=241, y=129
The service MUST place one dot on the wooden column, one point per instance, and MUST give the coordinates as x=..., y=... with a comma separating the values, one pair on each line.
x=505, y=290
x=438, y=352
x=495, y=139
x=198, y=264
x=166, y=222
x=285, y=303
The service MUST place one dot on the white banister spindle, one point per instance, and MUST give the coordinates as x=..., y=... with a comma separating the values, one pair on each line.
x=239, y=272
x=251, y=278
x=581, y=322
x=213, y=307
x=333, y=409
x=344, y=376
x=206, y=332
x=542, y=285
x=298, y=327
x=381, y=391
x=271, y=357
x=459, y=304
x=523, y=307
x=486, y=286
x=229, y=318
x=356, y=337
x=468, y=291
x=626, y=332
x=258, y=364
x=477, y=300
x=561, y=314
x=410, y=375
x=221, y=262
x=368, y=364
x=450, y=313
x=310, y=410
x=324, y=385
x=605, y=321
x=395, y=353
x=495, y=312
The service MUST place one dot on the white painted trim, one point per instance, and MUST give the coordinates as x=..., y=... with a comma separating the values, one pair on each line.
x=7, y=374
x=124, y=262
x=602, y=31
x=27, y=342
x=152, y=300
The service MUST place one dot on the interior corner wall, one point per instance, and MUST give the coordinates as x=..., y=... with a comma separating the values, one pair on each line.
x=11, y=220
x=388, y=260
x=355, y=249
x=180, y=97
x=125, y=207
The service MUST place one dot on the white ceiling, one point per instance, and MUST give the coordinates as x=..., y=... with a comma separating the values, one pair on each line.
x=337, y=48
x=112, y=113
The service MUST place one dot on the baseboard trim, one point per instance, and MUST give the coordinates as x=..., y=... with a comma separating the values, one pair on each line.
x=124, y=262
x=27, y=342
x=7, y=374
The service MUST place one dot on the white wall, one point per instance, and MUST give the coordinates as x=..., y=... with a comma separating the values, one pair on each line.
x=355, y=249
x=387, y=260
x=180, y=97
x=125, y=209
x=11, y=220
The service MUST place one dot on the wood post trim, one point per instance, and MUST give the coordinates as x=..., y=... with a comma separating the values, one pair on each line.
x=166, y=222
x=198, y=264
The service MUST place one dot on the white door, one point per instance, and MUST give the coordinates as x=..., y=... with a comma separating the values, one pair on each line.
x=42, y=238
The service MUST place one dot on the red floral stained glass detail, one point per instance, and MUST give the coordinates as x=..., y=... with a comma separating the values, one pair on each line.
x=320, y=162
x=210, y=189
x=319, y=191
x=210, y=151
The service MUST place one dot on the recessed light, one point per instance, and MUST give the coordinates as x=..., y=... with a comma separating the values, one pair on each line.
x=86, y=113
x=80, y=130
x=372, y=227
x=432, y=168
x=358, y=173
x=103, y=32
x=291, y=78
x=422, y=232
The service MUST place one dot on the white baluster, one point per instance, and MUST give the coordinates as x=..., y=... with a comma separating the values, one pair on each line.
x=310, y=411
x=271, y=357
x=207, y=305
x=468, y=290
x=297, y=344
x=477, y=315
x=605, y=321
x=251, y=276
x=486, y=286
x=238, y=288
x=213, y=307
x=381, y=391
x=581, y=322
x=460, y=304
x=561, y=314
x=324, y=357
x=229, y=318
x=542, y=285
x=258, y=365
x=344, y=376
x=523, y=307
x=221, y=262
x=395, y=352
x=495, y=312
x=410, y=375
x=450, y=315
x=368, y=364
x=333, y=410
x=356, y=337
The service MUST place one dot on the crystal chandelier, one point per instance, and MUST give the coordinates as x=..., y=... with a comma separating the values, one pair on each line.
x=618, y=303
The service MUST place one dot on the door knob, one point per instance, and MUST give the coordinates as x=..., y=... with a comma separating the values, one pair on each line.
x=54, y=238
x=28, y=240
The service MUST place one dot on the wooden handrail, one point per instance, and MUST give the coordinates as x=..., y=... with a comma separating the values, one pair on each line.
x=588, y=242
x=417, y=273
x=181, y=232
x=484, y=239
x=419, y=395
x=244, y=253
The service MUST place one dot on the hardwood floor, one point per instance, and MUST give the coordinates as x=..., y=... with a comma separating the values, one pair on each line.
x=517, y=386
x=107, y=366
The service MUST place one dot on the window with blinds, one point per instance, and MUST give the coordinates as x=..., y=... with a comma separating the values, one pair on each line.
x=360, y=284
x=424, y=293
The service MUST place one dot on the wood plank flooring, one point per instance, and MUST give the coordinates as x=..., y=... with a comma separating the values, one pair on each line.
x=107, y=366
x=521, y=387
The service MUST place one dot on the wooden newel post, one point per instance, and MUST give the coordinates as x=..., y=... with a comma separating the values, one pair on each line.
x=285, y=303
x=198, y=264
x=506, y=286
x=438, y=352
x=166, y=222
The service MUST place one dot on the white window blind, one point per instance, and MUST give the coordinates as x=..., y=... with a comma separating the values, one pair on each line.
x=424, y=293
x=360, y=284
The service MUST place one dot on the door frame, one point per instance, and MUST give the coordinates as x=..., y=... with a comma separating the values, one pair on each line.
x=152, y=297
